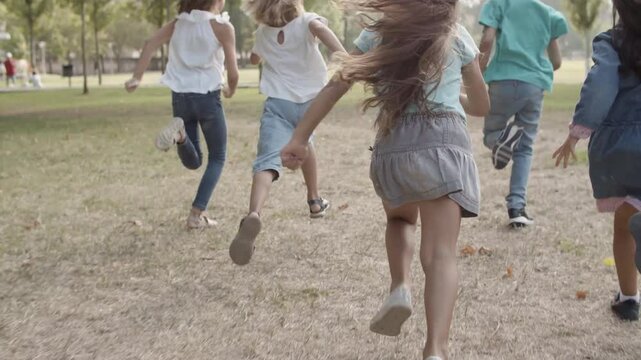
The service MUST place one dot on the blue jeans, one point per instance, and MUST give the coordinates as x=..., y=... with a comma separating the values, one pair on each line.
x=524, y=102
x=205, y=110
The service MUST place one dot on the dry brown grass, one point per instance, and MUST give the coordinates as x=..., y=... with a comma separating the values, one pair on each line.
x=95, y=262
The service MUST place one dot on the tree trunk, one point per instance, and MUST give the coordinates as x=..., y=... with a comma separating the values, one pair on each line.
x=85, y=88
x=588, y=52
x=31, y=25
x=95, y=37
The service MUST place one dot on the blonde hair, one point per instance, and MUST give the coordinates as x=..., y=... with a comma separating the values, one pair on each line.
x=415, y=39
x=274, y=13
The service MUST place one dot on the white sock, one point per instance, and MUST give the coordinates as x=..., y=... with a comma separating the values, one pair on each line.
x=624, y=298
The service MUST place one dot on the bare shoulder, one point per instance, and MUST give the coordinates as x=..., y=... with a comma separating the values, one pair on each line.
x=222, y=30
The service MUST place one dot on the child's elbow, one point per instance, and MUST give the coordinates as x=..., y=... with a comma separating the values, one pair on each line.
x=556, y=64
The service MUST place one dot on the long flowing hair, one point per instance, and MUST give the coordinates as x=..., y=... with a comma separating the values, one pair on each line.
x=414, y=44
x=627, y=34
x=274, y=13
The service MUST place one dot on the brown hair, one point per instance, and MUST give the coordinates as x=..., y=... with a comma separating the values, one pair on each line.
x=627, y=34
x=414, y=42
x=275, y=13
x=189, y=5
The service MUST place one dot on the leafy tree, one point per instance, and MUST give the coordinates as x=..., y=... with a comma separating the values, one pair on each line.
x=30, y=11
x=100, y=15
x=80, y=7
x=157, y=13
x=583, y=15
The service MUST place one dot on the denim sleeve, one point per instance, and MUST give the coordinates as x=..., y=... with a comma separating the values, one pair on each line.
x=601, y=85
x=466, y=46
x=366, y=41
x=491, y=14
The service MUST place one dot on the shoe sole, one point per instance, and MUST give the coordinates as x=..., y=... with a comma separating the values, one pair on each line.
x=520, y=222
x=242, y=247
x=321, y=213
x=626, y=315
x=504, y=148
x=391, y=322
x=165, y=138
x=635, y=229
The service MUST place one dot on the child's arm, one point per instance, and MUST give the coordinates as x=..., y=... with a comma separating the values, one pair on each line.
x=326, y=36
x=487, y=42
x=554, y=53
x=476, y=101
x=162, y=36
x=225, y=34
x=254, y=59
x=294, y=153
x=597, y=97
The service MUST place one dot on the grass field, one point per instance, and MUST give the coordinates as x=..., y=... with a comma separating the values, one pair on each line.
x=572, y=72
x=95, y=262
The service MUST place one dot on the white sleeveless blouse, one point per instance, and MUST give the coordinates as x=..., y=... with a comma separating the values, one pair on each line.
x=196, y=58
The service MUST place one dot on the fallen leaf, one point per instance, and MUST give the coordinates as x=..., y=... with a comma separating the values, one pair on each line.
x=609, y=262
x=581, y=294
x=509, y=272
x=468, y=250
x=485, y=251
x=343, y=207
x=34, y=225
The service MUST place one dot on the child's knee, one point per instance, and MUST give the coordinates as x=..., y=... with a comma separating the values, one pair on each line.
x=194, y=165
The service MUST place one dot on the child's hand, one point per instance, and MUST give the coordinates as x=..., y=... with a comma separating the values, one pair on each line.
x=565, y=151
x=294, y=154
x=132, y=84
x=227, y=92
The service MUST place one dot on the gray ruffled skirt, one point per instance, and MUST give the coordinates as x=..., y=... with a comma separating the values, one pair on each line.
x=426, y=158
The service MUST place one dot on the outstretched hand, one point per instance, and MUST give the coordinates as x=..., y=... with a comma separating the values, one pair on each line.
x=294, y=154
x=132, y=84
x=563, y=153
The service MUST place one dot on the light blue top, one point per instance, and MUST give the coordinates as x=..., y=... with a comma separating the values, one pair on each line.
x=446, y=95
x=525, y=29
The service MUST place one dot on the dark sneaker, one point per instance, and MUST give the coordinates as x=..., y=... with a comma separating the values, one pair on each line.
x=625, y=310
x=519, y=218
x=504, y=148
x=635, y=229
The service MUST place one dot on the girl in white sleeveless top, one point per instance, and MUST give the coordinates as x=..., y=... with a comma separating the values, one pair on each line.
x=294, y=71
x=200, y=42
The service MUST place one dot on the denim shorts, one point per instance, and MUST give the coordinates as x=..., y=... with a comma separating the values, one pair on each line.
x=277, y=125
x=426, y=158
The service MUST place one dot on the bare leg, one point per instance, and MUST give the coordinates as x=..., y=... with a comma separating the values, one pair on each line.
x=261, y=185
x=310, y=174
x=441, y=223
x=624, y=248
x=401, y=225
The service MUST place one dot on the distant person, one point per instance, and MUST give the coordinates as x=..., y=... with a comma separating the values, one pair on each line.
x=35, y=79
x=609, y=111
x=294, y=71
x=10, y=70
x=201, y=46
x=518, y=76
x=416, y=59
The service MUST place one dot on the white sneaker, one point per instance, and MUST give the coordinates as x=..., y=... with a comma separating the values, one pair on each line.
x=396, y=309
x=433, y=358
x=171, y=134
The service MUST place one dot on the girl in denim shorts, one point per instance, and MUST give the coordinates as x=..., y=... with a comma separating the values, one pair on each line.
x=294, y=71
x=200, y=39
x=414, y=58
x=609, y=112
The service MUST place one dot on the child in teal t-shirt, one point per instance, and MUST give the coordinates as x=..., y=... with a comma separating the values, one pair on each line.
x=518, y=75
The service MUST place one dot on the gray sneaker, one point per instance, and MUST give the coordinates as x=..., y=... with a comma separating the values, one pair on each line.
x=396, y=309
x=171, y=134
